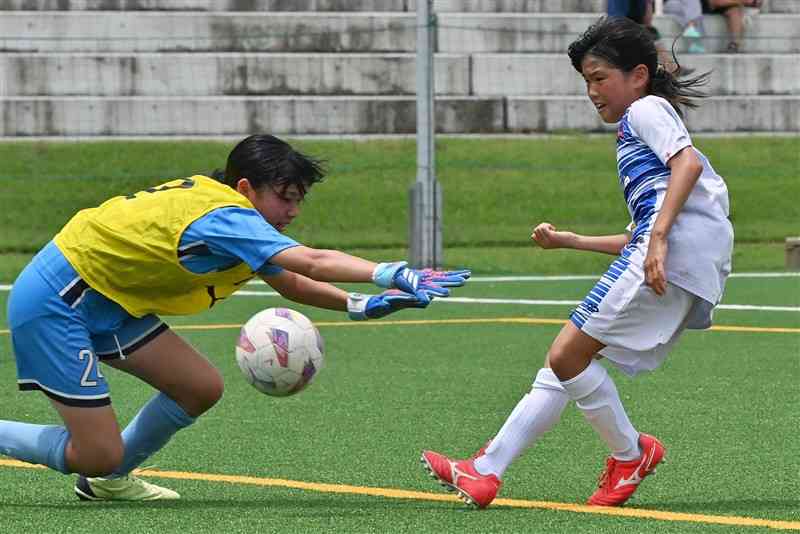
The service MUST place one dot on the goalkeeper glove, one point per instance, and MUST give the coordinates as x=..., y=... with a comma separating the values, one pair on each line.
x=397, y=275
x=446, y=278
x=362, y=307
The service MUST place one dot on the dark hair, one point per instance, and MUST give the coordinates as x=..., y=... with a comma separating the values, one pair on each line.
x=625, y=44
x=266, y=160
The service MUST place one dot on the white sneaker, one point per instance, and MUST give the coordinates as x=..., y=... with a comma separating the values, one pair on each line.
x=127, y=488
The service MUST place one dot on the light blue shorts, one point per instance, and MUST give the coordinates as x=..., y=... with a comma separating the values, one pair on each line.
x=61, y=328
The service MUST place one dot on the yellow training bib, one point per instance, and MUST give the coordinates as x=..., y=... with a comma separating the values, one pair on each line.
x=127, y=248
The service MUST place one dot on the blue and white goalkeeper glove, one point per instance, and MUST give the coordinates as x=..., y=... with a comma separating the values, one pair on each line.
x=397, y=275
x=361, y=307
x=446, y=278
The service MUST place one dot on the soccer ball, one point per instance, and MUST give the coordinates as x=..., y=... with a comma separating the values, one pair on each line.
x=279, y=351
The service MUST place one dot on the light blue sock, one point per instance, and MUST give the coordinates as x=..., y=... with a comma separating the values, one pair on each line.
x=150, y=430
x=36, y=444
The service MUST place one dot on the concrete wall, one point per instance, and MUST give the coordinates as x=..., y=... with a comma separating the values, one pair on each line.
x=174, y=67
x=552, y=74
x=342, y=32
x=86, y=116
x=204, y=5
x=440, y=6
x=203, y=74
x=718, y=114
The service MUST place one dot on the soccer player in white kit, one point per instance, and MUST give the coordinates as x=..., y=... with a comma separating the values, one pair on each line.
x=670, y=272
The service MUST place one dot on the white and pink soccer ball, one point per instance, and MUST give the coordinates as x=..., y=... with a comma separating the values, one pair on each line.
x=279, y=351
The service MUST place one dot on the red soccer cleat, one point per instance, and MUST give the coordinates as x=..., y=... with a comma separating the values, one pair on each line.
x=620, y=479
x=460, y=476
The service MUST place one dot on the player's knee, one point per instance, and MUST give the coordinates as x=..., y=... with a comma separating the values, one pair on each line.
x=213, y=391
x=204, y=395
x=556, y=357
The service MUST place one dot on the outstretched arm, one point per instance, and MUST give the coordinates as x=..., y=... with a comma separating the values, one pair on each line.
x=299, y=288
x=335, y=266
x=547, y=237
x=325, y=265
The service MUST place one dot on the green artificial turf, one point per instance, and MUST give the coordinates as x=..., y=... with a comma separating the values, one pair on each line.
x=724, y=403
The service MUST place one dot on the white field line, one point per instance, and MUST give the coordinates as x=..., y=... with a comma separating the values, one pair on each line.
x=549, y=278
x=533, y=302
x=567, y=277
x=557, y=278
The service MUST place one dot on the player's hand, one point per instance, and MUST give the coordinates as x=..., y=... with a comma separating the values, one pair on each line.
x=361, y=307
x=396, y=275
x=547, y=237
x=655, y=274
x=446, y=278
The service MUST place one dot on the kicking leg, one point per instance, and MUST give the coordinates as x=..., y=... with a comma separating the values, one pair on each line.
x=477, y=479
x=536, y=413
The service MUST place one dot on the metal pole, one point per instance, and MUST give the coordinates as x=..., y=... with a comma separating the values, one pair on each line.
x=425, y=225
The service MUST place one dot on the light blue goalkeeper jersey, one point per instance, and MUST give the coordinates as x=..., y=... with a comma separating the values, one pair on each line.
x=227, y=236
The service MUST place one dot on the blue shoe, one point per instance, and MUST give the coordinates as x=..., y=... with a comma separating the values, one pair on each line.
x=692, y=33
x=696, y=47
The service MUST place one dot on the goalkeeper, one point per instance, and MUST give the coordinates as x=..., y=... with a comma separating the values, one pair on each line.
x=95, y=292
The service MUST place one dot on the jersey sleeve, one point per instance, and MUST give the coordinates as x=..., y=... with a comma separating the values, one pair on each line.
x=658, y=125
x=242, y=234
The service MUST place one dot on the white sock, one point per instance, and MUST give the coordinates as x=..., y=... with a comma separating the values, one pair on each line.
x=596, y=396
x=535, y=414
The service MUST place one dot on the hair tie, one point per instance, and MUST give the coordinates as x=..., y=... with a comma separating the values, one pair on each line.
x=660, y=70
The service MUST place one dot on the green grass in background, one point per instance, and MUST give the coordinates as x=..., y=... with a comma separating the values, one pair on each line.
x=495, y=191
x=724, y=403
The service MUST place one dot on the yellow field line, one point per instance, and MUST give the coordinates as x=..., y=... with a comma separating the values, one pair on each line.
x=494, y=320
x=488, y=320
x=420, y=495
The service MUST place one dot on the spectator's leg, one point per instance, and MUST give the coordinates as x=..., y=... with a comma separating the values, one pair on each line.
x=735, y=19
x=646, y=8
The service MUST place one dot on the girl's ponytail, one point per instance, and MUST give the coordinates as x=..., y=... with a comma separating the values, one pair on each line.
x=669, y=85
x=625, y=44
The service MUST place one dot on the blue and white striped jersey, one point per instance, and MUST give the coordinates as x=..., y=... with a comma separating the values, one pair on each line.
x=701, y=239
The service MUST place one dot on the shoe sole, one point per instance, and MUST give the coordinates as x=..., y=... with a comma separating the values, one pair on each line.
x=452, y=488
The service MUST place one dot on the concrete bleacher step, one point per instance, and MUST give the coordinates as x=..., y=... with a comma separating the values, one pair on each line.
x=782, y=6
x=490, y=32
x=149, y=31
x=203, y=5
x=515, y=6
x=552, y=74
x=439, y=6
x=208, y=74
x=209, y=116
x=715, y=114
